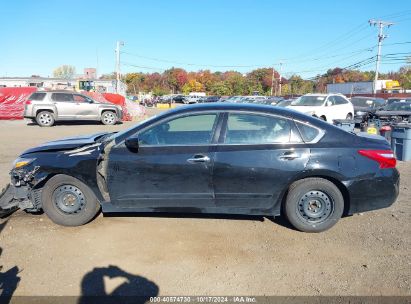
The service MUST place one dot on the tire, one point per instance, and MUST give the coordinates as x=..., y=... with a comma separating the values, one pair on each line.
x=69, y=202
x=313, y=204
x=349, y=116
x=323, y=118
x=109, y=118
x=45, y=119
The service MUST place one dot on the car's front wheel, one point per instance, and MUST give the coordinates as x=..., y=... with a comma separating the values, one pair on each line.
x=314, y=204
x=69, y=202
x=109, y=118
x=45, y=119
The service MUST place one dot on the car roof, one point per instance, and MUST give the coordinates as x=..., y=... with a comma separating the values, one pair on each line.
x=252, y=107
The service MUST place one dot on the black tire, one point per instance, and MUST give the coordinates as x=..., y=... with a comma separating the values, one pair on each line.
x=349, y=116
x=54, y=195
x=305, y=196
x=45, y=119
x=109, y=118
x=323, y=118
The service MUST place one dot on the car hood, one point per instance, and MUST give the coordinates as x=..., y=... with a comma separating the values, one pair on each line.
x=304, y=109
x=393, y=113
x=66, y=143
x=363, y=109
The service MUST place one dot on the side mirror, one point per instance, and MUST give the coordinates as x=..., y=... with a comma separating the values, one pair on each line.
x=329, y=103
x=132, y=144
x=90, y=100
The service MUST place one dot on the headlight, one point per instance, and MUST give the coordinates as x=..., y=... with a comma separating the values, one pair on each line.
x=21, y=162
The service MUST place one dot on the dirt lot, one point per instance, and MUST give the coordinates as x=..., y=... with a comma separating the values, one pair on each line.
x=366, y=254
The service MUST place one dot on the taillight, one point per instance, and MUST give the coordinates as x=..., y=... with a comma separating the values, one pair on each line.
x=385, y=158
x=28, y=102
x=385, y=128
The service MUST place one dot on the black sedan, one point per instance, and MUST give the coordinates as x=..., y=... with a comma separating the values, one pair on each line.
x=395, y=112
x=210, y=158
x=365, y=106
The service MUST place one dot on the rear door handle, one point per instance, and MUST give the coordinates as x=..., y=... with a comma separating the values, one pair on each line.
x=289, y=155
x=199, y=158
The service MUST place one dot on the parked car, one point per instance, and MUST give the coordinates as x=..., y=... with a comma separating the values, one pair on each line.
x=364, y=106
x=395, y=112
x=398, y=99
x=327, y=107
x=209, y=158
x=191, y=99
x=209, y=99
x=284, y=103
x=272, y=100
x=46, y=108
x=179, y=98
x=233, y=99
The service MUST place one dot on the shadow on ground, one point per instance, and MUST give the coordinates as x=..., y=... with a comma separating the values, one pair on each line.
x=132, y=289
x=8, y=279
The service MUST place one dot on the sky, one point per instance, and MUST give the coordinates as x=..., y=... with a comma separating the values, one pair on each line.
x=307, y=37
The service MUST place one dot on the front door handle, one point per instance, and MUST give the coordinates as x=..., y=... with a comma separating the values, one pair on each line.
x=199, y=158
x=289, y=155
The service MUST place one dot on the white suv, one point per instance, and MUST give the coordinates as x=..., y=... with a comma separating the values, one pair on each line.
x=324, y=106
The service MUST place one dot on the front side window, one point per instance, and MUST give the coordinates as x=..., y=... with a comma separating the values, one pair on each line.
x=340, y=100
x=61, y=97
x=187, y=130
x=80, y=98
x=257, y=129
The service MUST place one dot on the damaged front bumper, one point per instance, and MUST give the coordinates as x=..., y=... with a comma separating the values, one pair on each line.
x=21, y=192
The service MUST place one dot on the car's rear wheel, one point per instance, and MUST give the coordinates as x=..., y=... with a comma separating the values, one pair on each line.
x=45, y=119
x=109, y=118
x=314, y=204
x=349, y=116
x=69, y=202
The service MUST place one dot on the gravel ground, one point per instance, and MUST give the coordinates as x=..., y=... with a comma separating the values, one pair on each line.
x=366, y=254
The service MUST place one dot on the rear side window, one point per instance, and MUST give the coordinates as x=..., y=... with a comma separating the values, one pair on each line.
x=61, y=97
x=37, y=96
x=308, y=133
x=257, y=129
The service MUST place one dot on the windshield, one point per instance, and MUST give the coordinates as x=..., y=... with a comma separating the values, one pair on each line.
x=315, y=101
x=399, y=106
x=365, y=102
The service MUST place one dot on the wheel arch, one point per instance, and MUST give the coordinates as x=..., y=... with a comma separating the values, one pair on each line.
x=38, y=110
x=343, y=189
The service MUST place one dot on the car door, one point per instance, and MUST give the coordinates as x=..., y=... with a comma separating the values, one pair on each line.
x=330, y=108
x=256, y=158
x=172, y=168
x=65, y=106
x=85, y=107
x=344, y=107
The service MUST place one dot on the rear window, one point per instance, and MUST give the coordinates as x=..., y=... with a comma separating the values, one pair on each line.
x=308, y=133
x=37, y=96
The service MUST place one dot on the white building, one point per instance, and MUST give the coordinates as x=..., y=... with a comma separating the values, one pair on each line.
x=96, y=85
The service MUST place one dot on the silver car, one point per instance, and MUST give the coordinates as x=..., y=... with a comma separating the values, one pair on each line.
x=48, y=107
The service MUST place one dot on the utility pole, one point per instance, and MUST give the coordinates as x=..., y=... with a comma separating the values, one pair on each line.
x=272, y=82
x=381, y=24
x=279, y=86
x=119, y=43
